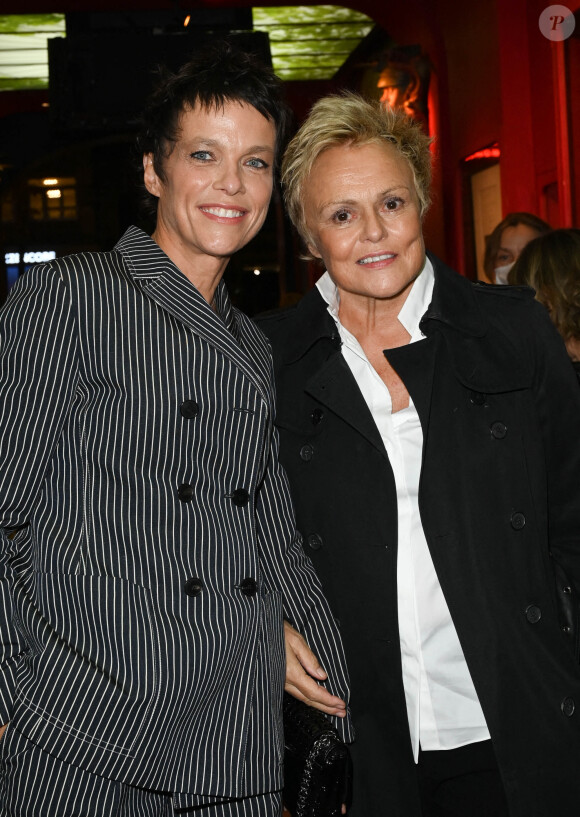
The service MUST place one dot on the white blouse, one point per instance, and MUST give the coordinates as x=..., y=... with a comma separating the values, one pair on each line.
x=442, y=706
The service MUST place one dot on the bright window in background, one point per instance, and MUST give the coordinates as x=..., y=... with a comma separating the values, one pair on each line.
x=307, y=42
x=311, y=42
x=24, y=50
x=52, y=199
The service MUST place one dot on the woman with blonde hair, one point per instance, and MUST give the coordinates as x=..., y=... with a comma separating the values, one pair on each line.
x=425, y=426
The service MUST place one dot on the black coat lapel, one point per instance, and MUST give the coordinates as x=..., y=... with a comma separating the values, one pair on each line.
x=334, y=386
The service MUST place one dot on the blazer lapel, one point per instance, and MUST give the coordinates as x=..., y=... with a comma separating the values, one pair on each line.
x=315, y=348
x=415, y=365
x=159, y=278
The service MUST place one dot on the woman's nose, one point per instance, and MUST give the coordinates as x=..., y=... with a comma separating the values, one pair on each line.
x=229, y=178
x=374, y=226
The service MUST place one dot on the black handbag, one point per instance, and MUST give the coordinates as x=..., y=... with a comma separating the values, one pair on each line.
x=317, y=764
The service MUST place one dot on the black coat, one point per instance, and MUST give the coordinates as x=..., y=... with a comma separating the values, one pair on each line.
x=499, y=500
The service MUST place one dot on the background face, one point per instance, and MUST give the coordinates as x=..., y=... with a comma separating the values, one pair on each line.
x=513, y=241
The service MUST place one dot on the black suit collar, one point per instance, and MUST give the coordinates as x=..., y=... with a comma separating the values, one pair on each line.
x=453, y=304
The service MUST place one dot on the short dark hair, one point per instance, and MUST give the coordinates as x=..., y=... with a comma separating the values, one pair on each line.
x=220, y=72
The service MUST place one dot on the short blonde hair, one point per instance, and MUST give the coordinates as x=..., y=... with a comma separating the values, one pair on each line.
x=348, y=119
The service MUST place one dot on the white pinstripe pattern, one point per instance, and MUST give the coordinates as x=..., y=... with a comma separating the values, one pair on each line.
x=106, y=661
x=36, y=784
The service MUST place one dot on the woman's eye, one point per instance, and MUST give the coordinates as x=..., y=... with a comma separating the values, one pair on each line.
x=258, y=163
x=202, y=155
x=341, y=216
x=393, y=204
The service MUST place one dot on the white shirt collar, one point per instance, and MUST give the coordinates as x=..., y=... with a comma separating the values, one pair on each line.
x=413, y=309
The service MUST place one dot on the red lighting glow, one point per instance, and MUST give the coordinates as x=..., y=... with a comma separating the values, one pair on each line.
x=492, y=152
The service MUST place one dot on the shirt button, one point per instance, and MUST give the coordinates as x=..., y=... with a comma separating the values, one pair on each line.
x=517, y=520
x=477, y=398
x=306, y=453
x=248, y=586
x=193, y=586
x=533, y=613
x=240, y=497
x=316, y=416
x=189, y=409
x=185, y=492
x=568, y=706
x=498, y=430
x=314, y=541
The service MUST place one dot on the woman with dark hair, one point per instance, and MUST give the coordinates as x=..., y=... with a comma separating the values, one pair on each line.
x=550, y=264
x=148, y=548
x=504, y=245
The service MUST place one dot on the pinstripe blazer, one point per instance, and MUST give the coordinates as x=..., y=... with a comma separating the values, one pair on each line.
x=156, y=549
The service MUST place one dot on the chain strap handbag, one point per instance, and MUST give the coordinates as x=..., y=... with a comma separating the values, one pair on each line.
x=317, y=764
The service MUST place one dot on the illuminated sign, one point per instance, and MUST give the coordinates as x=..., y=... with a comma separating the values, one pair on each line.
x=31, y=257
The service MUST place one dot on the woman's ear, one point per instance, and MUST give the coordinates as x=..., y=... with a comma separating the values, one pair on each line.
x=150, y=177
x=312, y=250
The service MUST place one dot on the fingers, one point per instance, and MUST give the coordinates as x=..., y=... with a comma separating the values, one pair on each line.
x=298, y=649
x=302, y=670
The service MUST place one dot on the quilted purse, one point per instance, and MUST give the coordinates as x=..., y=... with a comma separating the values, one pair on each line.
x=317, y=765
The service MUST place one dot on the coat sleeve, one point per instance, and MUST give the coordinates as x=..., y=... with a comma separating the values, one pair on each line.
x=557, y=399
x=38, y=354
x=287, y=569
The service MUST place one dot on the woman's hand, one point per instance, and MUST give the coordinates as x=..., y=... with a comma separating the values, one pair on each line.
x=302, y=667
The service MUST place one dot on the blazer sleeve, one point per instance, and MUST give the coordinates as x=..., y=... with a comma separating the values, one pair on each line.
x=287, y=569
x=557, y=399
x=38, y=366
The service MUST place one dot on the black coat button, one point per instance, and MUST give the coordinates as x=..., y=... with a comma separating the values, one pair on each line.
x=568, y=706
x=517, y=520
x=314, y=541
x=477, y=398
x=566, y=629
x=316, y=416
x=189, y=409
x=185, y=492
x=240, y=497
x=533, y=613
x=498, y=430
x=306, y=453
x=248, y=586
x=193, y=586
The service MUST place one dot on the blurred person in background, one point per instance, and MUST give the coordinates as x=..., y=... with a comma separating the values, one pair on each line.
x=504, y=245
x=550, y=264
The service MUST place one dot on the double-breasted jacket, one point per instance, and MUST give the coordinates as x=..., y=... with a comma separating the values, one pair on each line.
x=152, y=548
x=499, y=499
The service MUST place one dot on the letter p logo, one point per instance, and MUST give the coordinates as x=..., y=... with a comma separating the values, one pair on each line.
x=557, y=23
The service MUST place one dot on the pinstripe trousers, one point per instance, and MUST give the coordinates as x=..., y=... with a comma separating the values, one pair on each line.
x=33, y=783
